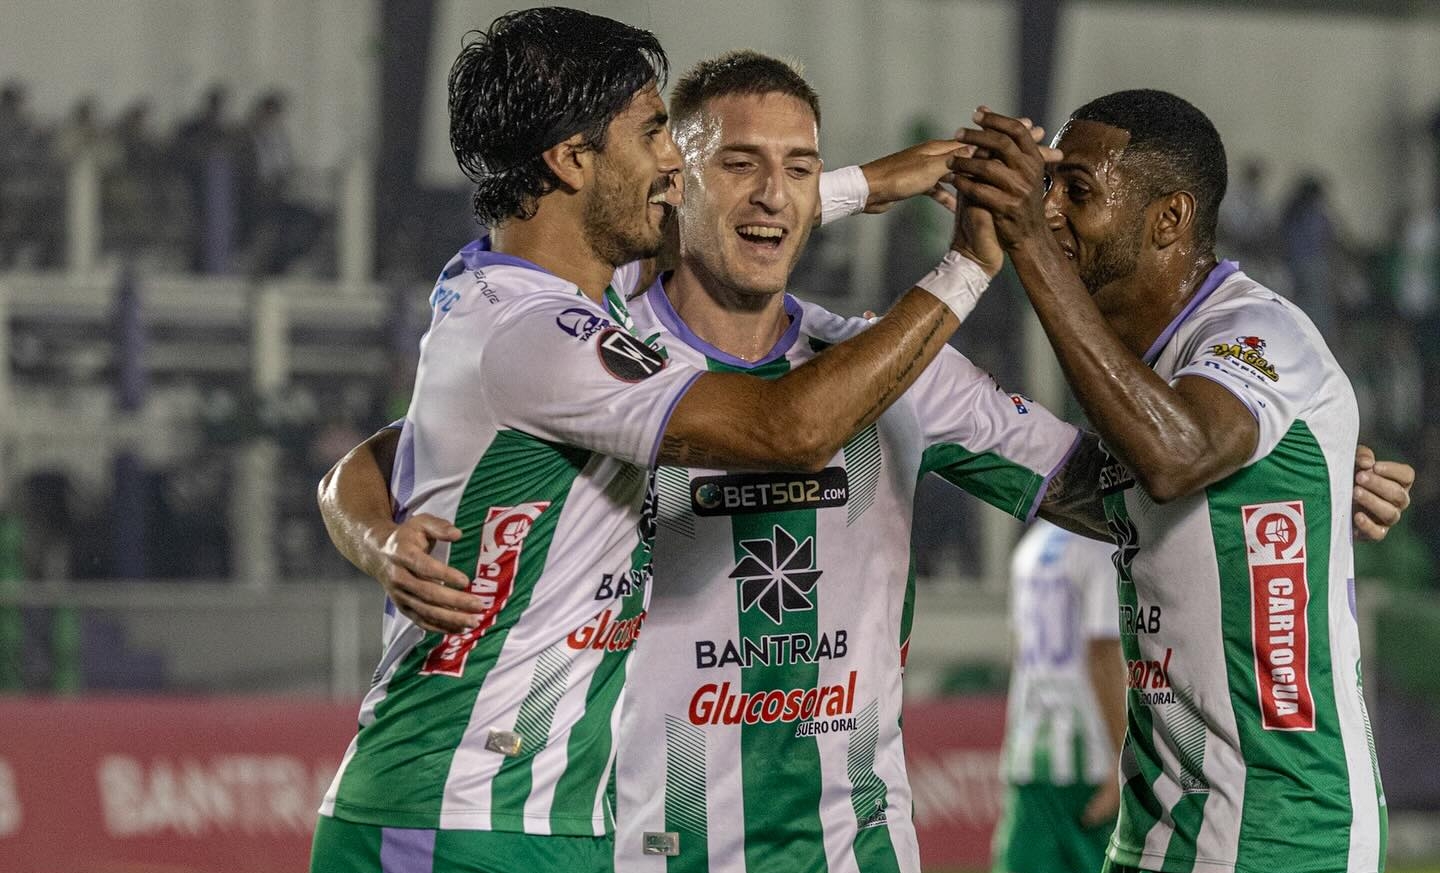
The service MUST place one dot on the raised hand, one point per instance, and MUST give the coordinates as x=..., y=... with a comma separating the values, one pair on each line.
x=975, y=238
x=923, y=168
x=975, y=235
x=1006, y=177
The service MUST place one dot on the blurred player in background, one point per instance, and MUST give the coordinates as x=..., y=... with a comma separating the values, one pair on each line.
x=1065, y=712
x=1229, y=433
x=536, y=414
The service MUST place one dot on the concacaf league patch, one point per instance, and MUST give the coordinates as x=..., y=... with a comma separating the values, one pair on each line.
x=627, y=358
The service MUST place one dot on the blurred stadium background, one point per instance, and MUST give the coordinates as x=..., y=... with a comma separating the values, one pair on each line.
x=219, y=220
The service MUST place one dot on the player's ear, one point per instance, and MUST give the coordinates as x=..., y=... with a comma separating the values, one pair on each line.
x=570, y=161
x=1174, y=218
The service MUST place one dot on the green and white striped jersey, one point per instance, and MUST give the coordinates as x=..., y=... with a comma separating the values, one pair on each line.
x=761, y=729
x=1249, y=747
x=534, y=422
x=1062, y=596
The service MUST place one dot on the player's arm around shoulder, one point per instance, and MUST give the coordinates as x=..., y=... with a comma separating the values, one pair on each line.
x=799, y=421
x=995, y=444
x=1072, y=498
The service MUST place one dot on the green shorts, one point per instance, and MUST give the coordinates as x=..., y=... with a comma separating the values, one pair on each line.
x=1112, y=867
x=346, y=847
x=1040, y=831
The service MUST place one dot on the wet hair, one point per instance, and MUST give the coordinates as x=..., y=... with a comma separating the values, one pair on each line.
x=1173, y=147
x=534, y=79
x=739, y=72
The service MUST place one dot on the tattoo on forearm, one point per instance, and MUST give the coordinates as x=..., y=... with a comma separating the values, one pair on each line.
x=1072, y=500
x=897, y=380
x=676, y=452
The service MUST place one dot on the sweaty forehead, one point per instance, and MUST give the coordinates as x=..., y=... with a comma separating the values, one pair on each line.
x=761, y=119
x=1092, y=146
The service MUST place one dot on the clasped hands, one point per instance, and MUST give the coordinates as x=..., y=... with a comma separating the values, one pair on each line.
x=1003, y=172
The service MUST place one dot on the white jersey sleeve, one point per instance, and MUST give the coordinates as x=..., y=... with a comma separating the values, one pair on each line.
x=559, y=369
x=1260, y=353
x=1000, y=447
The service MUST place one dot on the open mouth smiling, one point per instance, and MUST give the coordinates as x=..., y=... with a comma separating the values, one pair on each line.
x=762, y=235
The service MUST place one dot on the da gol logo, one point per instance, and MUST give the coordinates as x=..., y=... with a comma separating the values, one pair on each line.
x=1250, y=351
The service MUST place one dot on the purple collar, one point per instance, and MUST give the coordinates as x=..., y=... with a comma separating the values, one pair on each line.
x=660, y=303
x=1219, y=274
x=478, y=255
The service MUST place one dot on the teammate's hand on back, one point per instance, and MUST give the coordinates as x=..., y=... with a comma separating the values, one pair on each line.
x=424, y=589
x=1382, y=492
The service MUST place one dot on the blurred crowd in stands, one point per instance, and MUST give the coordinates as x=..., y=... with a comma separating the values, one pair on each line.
x=221, y=195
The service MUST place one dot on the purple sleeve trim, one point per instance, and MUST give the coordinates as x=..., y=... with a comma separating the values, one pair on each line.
x=665, y=419
x=1216, y=277
x=1045, y=484
x=1245, y=401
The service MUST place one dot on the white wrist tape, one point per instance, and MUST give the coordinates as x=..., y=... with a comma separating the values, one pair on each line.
x=842, y=192
x=957, y=281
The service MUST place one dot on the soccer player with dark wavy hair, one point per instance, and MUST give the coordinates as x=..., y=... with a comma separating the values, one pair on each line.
x=536, y=418
x=538, y=77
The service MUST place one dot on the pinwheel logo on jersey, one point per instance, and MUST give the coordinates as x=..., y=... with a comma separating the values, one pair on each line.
x=777, y=575
x=1127, y=545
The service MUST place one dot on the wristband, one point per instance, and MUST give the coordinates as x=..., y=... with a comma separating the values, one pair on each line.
x=842, y=192
x=957, y=281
